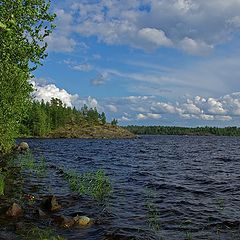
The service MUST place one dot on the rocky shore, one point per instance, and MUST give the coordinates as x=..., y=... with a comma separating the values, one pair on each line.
x=106, y=131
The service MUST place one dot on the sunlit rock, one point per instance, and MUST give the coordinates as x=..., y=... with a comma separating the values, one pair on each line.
x=82, y=220
x=23, y=146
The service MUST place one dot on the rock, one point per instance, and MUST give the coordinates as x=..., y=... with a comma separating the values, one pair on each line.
x=14, y=211
x=65, y=222
x=23, y=146
x=20, y=226
x=82, y=220
x=51, y=204
x=41, y=213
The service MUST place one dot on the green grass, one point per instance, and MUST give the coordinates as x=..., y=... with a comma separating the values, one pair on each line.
x=94, y=184
x=27, y=162
x=40, y=234
x=2, y=183
x=153, y=216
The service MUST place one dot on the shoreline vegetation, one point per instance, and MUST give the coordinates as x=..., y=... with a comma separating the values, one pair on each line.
x=55, y=120
x=189, y=131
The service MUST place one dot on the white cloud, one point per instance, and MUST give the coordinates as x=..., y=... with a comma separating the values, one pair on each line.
x=207, y=117
x=45, y=91
x=141, y=116
x=215, y=107
x=100, y=79
x=154, y=36
x=111, y=108
x=148, y=116
x=194, y=26
x=61, y=43
x=195, y=47
x=61, y=40
x=130, y=108
x=225, y=108
x=48, y=91
x=85, y=67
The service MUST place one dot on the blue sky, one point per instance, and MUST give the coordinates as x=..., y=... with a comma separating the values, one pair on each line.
x=146, y=62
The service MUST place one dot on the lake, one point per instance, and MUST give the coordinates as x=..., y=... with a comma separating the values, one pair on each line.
x=164, y=187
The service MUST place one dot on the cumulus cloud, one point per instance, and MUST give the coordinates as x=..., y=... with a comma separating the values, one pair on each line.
x=46, y=91
x=224, y=109
x=111, y=108
x=194, y=26
x=195, y=47
x=148, y=116
x=154, y=36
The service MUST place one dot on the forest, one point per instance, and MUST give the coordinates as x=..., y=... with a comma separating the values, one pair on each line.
x=173, y=130
x=44, y=117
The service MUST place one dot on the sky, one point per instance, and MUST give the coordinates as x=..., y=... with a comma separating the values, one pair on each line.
x=146, y=62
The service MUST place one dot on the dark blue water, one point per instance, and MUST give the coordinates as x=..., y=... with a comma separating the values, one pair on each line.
x=165, y=187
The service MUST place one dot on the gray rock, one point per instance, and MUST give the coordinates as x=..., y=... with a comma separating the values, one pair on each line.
x=23, y=146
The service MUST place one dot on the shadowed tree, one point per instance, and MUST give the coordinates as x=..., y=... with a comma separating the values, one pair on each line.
x=24, y=25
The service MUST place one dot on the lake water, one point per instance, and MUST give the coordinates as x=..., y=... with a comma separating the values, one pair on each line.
x=165, y=187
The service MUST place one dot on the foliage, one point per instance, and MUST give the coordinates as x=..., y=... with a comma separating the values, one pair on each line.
x=2, y=183
x=45, y=117
x=94, y=184
x=171, y=130
x=27, y=162
x=24, y=25
x=40, y=234
x=114, y=122
x=103, y=118
x=153, y=216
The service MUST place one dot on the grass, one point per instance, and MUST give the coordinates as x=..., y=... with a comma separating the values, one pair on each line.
x=28, y=162
x=2, y=183
x=94, y=184
x=153, y=216
x=40, y=234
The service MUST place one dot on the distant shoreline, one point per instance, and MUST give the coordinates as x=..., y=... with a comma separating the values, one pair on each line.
x=189, y=131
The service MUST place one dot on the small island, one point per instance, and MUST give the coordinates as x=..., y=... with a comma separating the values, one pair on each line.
x=55, y=120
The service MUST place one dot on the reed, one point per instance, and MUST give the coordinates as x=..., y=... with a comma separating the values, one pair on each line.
x=2, y=183
x=94, y=184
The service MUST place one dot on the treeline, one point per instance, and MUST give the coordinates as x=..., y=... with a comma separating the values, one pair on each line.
x=171, y=130
x=43, y=118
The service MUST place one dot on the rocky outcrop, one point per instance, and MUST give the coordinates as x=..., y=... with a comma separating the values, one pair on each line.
x=106, y=131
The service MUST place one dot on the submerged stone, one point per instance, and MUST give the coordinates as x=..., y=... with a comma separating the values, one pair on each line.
x=14, y=211
x=65, y=222
x=51, y=204
x=41, y=213
x=82, y=220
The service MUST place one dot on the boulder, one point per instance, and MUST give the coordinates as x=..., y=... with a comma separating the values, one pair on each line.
x=51, y=204
x=14, y=211
x=23, y=146
x=65, y=222
x=41, y=213
x=82, y=220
